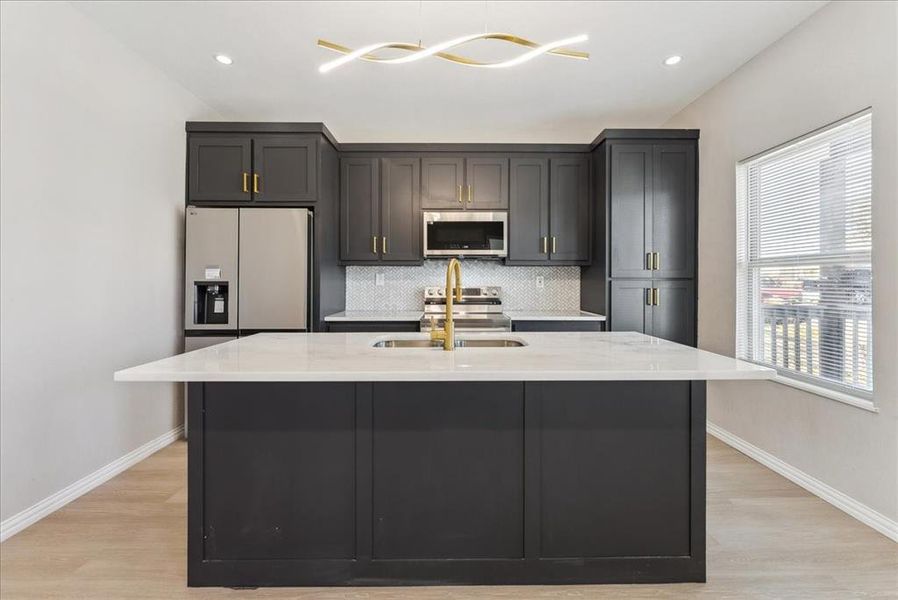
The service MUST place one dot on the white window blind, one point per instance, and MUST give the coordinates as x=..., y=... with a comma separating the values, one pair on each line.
x=804, y=277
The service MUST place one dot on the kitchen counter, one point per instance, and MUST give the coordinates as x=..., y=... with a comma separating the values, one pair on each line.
x=317, y=459
x=567, y=356
x=553, y=315
x=375, y=315
x=415, y=315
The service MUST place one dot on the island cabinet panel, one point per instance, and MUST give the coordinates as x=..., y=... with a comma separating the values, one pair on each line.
x=279, y=477
x=447, y=470
x=614, y=474
x=436, y=483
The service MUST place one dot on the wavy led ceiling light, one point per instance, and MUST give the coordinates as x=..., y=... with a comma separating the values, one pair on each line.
x=417, y=52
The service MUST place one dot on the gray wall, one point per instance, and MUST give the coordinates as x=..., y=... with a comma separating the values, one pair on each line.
x=839, y=61
x=91, y=206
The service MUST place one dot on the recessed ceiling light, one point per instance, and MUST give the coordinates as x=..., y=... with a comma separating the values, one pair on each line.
x=224, y=59
x=672, y=60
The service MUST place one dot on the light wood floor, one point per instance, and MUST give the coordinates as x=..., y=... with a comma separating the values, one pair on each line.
x=767, y=538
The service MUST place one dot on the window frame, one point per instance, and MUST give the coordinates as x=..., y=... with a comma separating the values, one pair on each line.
x=748, y=276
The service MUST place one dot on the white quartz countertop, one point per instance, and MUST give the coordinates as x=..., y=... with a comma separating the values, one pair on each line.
x=554, y=356
x=553, y=315
x=376, y=315
x=415, y=315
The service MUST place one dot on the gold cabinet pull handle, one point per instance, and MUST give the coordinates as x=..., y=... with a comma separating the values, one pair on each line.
x=470, y=200
x=459, y=195
x=383, y=244
x=256, y=181
x=374, y=244
x=656, y=260
x=553, y=244
x=545, y=245
x=245, y=181
x=656, y=296
x=648, y=296
x=649, y=261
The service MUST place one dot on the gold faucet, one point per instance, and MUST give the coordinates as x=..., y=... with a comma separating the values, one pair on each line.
x=447, y=333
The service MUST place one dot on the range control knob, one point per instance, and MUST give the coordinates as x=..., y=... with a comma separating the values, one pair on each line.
x=494, y=293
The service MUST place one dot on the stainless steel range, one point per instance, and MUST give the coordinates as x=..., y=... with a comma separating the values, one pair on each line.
x=480, y=309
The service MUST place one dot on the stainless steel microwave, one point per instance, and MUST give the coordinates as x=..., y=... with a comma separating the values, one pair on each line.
x=466, y=233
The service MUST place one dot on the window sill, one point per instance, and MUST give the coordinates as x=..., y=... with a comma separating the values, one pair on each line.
x=842, y=397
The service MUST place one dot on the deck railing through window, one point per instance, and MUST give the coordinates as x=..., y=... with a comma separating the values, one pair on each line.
x=792, y=337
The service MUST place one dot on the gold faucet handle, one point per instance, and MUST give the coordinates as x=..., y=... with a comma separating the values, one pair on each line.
x=436, y=333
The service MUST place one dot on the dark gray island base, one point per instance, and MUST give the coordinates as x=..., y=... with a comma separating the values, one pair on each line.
x=426, y=483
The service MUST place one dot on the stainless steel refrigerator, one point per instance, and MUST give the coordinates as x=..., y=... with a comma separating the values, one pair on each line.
x=247, y=270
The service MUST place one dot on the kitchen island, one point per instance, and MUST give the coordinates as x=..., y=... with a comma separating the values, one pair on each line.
x=321, y=459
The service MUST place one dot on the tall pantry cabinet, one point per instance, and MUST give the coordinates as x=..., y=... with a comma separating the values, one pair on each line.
x=645, y=200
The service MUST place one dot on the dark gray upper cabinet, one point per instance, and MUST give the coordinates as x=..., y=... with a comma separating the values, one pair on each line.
x=245, y=168
x=673, y=210
x=653, y=201
x=569, y=209
x=285, y=168
x=401, y=210
x=380, y=204
x=359, y=209
x=459, y=183
x=442, y=182
x=486, y=182
x=528, y=226
x=219, y=168
x=658, y=307
x=631, y=209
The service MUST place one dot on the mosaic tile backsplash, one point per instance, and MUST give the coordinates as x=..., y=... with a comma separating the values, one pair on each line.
x=403, y=287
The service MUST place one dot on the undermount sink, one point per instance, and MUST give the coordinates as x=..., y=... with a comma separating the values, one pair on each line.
x=459, y=343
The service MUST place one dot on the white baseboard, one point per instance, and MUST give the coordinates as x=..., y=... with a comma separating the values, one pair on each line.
x=858, y=510
x=32, y=514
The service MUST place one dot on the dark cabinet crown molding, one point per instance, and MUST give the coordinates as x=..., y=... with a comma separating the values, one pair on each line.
x=380, y=147
x=644, y=134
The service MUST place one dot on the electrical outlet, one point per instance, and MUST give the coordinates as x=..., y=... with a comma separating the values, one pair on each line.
x=378, y=279
x=540, y=281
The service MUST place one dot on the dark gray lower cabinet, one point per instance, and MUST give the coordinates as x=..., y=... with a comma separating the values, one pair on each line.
x=372, y=326
x=416, y=483
x=668, y=313
x=557, y=325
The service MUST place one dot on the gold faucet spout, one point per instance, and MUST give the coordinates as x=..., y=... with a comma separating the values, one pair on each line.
x=447, y=333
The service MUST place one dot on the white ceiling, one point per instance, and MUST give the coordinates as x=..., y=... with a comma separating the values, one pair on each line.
x=275, y=78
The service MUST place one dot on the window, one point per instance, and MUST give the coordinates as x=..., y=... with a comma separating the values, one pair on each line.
x=804, y=277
